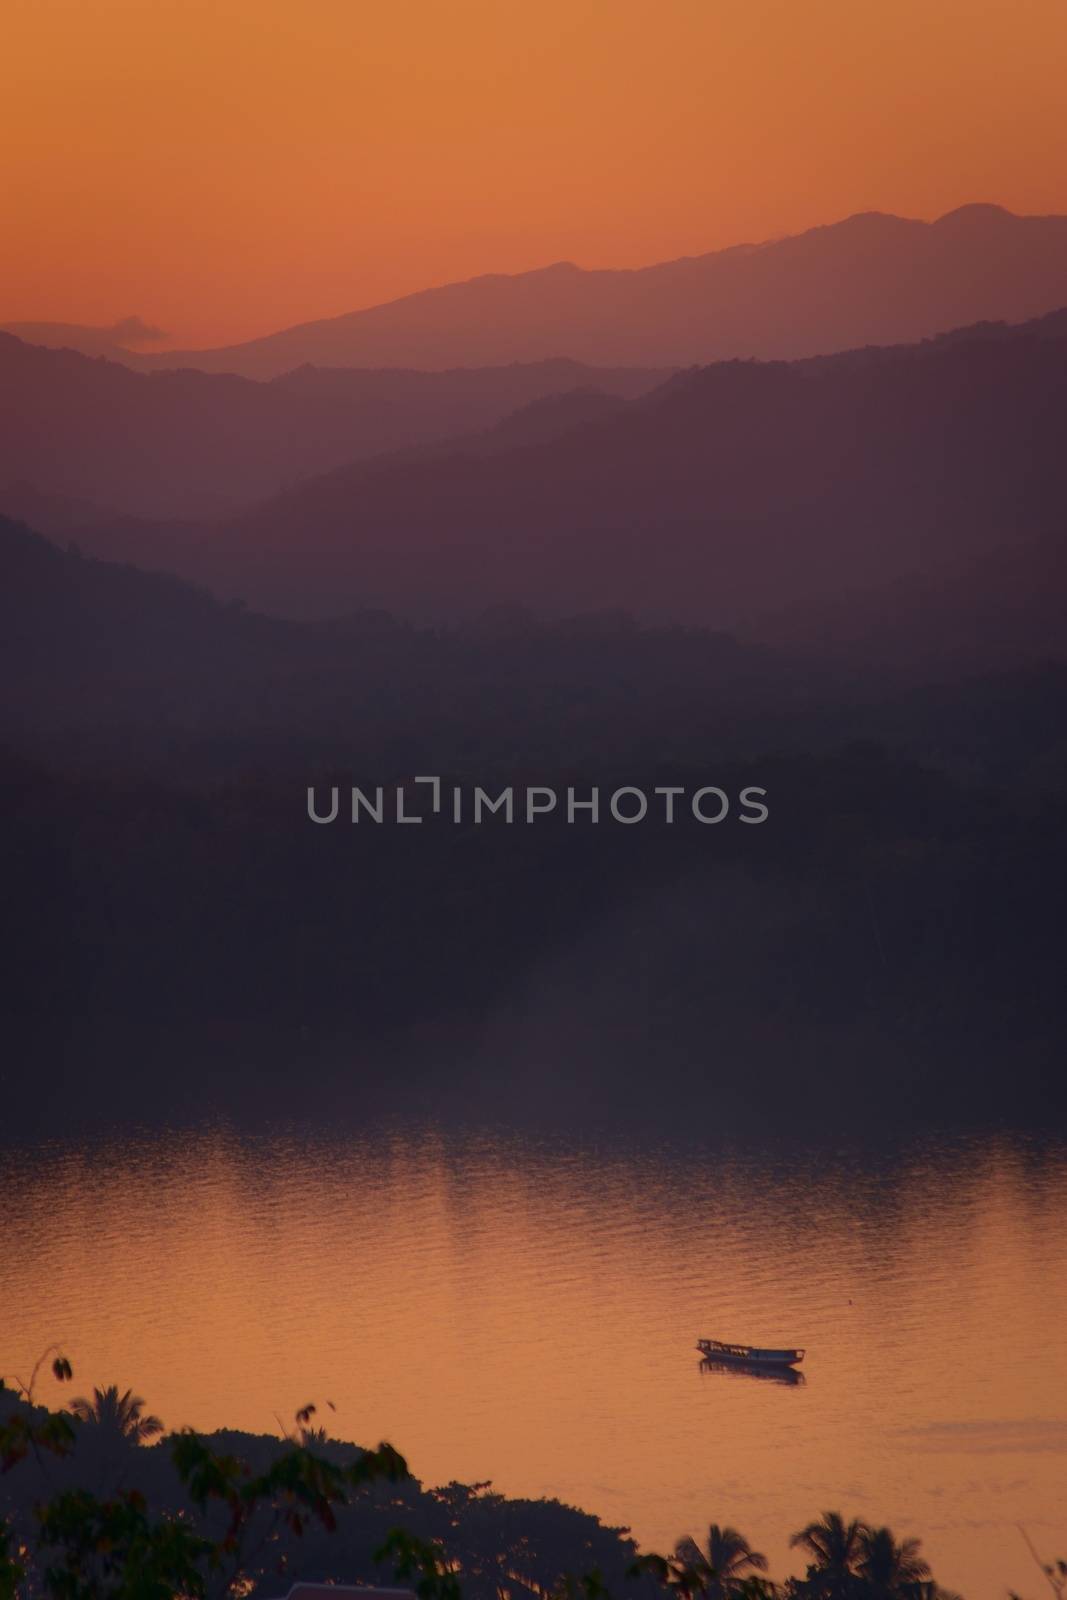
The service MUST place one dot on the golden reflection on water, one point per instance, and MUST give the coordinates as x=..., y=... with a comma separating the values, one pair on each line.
x=526, y=1311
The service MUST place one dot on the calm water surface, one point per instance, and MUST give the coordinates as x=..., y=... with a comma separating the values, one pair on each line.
x=525, y=1310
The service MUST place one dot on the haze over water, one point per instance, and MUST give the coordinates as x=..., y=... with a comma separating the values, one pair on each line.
x=525, y=1309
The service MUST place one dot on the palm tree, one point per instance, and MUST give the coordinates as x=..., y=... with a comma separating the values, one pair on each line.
x=891, y=1569
x=836, y=1548
x=117, y=1414
x=723, y=1564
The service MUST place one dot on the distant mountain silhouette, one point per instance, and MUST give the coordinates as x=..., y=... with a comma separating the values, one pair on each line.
x=93, y=652
x=98, y=647
x=900, y=908
x=189, y=444
x=870, y=279
x=730, y=496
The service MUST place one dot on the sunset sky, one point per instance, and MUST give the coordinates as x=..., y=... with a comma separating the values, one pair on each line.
x=225, y=167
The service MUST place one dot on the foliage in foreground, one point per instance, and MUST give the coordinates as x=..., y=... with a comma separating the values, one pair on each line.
x=185, y=1521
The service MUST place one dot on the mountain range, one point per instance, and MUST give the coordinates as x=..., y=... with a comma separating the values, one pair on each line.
x=869, y=279
x=108, y=667
x=787, y=500
x=899, y=499
x=655, y=528
x=194, y=444
x=901, y=907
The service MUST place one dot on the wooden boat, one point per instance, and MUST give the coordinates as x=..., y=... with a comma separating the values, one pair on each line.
x=748, y=1355
x=789, y=1376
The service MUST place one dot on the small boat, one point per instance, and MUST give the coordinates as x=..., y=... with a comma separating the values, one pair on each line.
x=748, y=1355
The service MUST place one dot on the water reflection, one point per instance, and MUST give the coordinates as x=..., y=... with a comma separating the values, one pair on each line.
x=526, y=1310
x=752, y=1369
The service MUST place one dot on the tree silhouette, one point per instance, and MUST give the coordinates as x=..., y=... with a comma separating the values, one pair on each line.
x=724, y=1562
x=890, y=1568
x=836, y=1548
x=117, y=1414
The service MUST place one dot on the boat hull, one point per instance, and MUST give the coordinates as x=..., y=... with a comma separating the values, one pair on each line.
x=746, y=1355
x=790, y=1376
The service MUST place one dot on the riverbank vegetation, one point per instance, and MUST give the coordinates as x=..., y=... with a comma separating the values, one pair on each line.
x=97, y=1502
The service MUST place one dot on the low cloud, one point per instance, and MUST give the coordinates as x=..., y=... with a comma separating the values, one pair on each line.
x=132, y=330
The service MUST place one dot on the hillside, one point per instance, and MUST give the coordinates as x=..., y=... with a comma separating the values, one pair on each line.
x=192, y=444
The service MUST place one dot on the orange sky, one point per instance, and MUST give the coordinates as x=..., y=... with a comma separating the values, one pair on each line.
x=225, y=167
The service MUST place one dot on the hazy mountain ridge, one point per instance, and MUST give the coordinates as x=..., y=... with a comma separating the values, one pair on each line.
x=90, y=645
x=155, y=748
x=91, y=649
x=193, y=444
x=113, y=342
x=729, y=494
x=872, y=278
